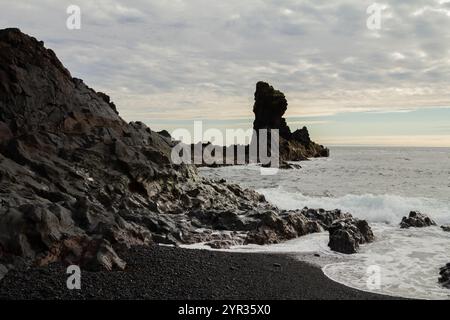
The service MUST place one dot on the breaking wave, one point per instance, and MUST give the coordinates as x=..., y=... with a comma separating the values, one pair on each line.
x=385, y=208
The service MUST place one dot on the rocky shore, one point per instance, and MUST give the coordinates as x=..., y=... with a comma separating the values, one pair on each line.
x=79, y=185
x=77, y=181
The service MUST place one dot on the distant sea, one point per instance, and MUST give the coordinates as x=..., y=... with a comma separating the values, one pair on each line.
x=380, y=185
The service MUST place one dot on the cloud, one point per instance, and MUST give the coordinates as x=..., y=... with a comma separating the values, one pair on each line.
x=185, y=59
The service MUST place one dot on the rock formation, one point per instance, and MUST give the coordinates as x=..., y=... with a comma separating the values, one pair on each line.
x=416, y=220
x=270, y=107
x=347, y=234
x=77, y=181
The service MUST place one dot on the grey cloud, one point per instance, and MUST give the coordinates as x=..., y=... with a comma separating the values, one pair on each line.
x=169, y=57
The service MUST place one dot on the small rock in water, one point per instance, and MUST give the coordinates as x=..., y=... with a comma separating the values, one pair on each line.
x=416, y=220
x=347, y=234
x=444, y=280
x=286, y=166
x=446, y=228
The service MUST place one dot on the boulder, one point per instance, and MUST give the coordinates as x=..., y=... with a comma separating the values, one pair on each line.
x=165, y=134
x=446, y=228
x=287, y=166
x=416, y=220
x=444, y=278
x=324, y=217
x=106, y=258
x=287, y=225
x=348, y=234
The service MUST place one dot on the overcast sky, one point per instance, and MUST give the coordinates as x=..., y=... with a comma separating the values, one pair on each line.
x=166, y=62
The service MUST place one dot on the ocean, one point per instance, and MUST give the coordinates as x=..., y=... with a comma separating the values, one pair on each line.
x=380, y=185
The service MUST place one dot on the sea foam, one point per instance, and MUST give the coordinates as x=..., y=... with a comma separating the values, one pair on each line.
x=380, y=185
x=385, y=208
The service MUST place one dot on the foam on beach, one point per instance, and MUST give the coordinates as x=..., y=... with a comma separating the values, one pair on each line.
x=384, y=208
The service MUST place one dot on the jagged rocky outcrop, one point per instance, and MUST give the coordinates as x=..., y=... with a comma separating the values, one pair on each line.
x=269, y=109
x=416, y=220
x=77, y=181
x=346, y=235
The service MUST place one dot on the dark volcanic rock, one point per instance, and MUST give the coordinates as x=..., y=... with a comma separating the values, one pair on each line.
x=77, y=181
x=68, y=163
x=416, y=220
x=270, y=106
x=275, y=227
x=326, y=218
x=165, y=134
x=346, y=235
x=444, y=278
x=446, y=228
x=287, y=166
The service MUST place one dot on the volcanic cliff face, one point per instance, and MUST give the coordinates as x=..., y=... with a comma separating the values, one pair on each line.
x=76, y=180
x=70, y=167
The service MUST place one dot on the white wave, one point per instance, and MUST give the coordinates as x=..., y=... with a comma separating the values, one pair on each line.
x=381, y=186
x=375, y=208
x=315, y=242
x=408, y=261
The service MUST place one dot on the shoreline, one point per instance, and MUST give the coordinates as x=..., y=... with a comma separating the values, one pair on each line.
x=172, y=273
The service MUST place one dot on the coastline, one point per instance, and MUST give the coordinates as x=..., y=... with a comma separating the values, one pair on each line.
x=172, y=273
x=80, y=183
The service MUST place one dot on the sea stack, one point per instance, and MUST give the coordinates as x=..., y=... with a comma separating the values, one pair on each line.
x=269, y=109
x=270, y=106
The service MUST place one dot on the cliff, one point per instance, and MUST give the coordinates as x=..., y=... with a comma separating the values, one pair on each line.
x=77, y=181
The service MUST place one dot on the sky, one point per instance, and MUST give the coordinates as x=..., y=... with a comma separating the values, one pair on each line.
x=170, y=62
